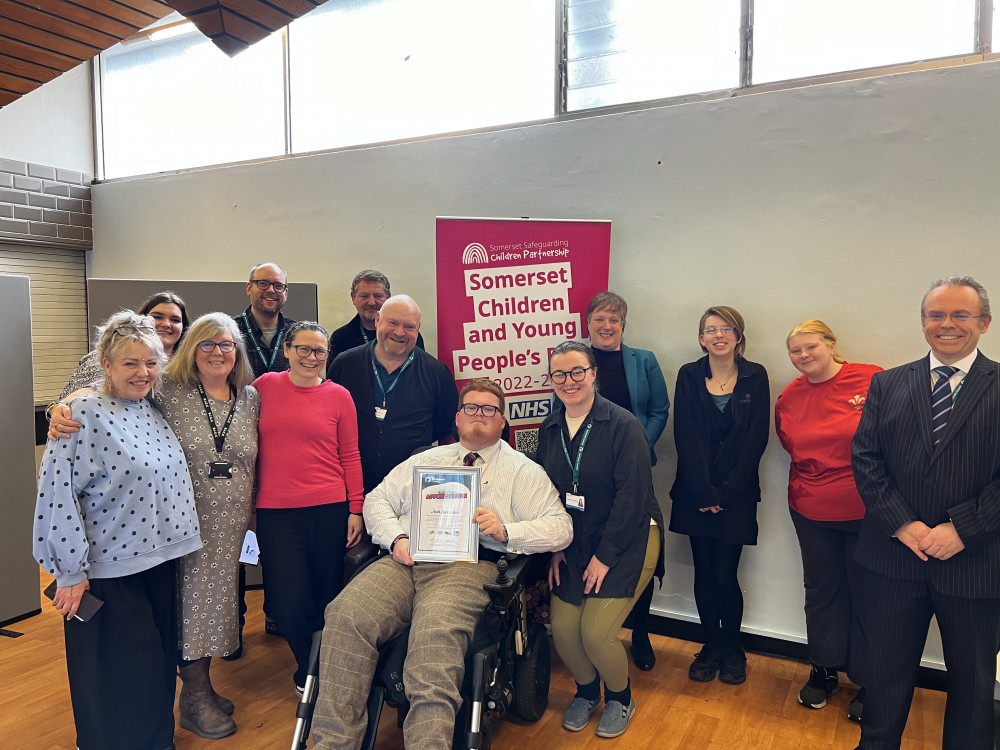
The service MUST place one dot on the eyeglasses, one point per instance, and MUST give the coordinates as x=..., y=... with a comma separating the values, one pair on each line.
x=577, y=374
x=305, y=351
x=263, y=284
x=224, y=346
x=132, y=330
x=471, y=410
x=724, y=330
x=959, y=317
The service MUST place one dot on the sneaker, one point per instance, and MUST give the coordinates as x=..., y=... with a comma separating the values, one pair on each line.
x=822, y=684
x=614, y=721
x=300, y=692
x=705, y=664
x=578, y=714
x=733, y=669
x=857, y=706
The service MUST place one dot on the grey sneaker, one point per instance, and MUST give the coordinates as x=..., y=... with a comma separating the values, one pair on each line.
x=578, y=714
x=614, y=721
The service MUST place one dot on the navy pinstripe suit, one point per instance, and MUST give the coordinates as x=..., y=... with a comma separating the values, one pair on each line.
x=903, y=477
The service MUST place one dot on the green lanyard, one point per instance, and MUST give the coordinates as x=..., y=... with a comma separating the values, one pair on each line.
x=579, y=454
x=378, y=379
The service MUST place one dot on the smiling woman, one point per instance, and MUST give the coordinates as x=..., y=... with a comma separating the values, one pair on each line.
x=310, y=488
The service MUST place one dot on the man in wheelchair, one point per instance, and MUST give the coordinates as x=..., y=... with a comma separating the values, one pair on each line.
x=520, y=512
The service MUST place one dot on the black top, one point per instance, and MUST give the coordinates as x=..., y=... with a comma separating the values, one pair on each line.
x=422, y=410
x=719, y=452
x=261, y=356
x=351, y=335
x=617, y=484
x=611, y=377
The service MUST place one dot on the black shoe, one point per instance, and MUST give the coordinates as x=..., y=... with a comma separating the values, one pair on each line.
x=271, y=627
x=857, y=707
x=705, y=664
x=822, y=684
x=733, y=669
x=642, y=651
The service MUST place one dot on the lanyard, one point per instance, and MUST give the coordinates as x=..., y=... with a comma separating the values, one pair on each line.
x=218, y=437
x=364, y=333
x=378, y=379
x=275, y=346
x=579, y=454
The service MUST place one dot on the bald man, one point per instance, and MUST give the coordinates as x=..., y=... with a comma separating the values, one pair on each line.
x=262, y=324
x=405, y=398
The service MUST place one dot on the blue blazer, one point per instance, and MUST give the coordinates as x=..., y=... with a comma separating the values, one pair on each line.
x=647, y=389
x=902, y=476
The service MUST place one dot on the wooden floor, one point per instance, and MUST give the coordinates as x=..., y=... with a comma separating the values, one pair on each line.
x=673, y=712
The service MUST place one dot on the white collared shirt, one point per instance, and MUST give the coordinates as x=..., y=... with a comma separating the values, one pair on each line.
x=963, y=366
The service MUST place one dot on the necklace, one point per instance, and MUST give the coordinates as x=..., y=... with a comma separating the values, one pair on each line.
x=722, y=383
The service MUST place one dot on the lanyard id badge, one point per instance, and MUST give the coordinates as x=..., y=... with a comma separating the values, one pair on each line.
x=574, y=500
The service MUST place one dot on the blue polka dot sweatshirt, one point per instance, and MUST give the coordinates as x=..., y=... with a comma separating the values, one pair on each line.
x=114, y=499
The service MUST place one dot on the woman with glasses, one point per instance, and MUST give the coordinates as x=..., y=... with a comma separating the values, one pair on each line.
x=632, y=379
x=721, y=415
x=206, y=400
x=115, y=510
x=816, y=417
x=170, y=317
x=310, y=488
x=597, y=456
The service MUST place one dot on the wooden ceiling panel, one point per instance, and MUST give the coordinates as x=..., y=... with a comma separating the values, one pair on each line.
x=39, y=39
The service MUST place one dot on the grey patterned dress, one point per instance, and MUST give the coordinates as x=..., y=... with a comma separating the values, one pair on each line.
x=207, y=580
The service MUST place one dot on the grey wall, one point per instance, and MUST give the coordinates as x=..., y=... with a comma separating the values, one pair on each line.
x=19, y=579
x=840, y=201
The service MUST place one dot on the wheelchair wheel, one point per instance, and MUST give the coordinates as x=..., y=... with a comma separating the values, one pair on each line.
x=531, y=675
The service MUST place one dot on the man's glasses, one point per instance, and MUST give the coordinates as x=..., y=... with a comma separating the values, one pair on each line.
x=471, y=410
x=959, y=317
x=577, y=374
x=724, y=330
x=305, y=351
x=263, y=284
x=224, y=346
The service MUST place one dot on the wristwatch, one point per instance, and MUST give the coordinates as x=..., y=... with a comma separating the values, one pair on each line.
x=393, y=545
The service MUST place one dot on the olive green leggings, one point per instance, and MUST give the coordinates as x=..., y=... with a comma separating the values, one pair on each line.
x=586, y=635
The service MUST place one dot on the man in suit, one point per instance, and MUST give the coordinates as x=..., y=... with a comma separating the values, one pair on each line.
x=926, y=460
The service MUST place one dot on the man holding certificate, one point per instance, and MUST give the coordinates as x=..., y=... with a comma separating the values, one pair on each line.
x=517, y=510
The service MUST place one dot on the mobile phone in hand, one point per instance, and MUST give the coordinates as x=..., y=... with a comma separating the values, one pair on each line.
x=89, y=604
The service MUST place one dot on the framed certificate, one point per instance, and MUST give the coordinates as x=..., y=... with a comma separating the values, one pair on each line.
x=441, y=525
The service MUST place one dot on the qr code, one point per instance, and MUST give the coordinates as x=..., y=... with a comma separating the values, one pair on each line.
x=526, y=441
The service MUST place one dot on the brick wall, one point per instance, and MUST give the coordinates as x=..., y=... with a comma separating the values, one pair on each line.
x=44, y=203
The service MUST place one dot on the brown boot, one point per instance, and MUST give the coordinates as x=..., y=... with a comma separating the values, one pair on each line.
x=199, y=712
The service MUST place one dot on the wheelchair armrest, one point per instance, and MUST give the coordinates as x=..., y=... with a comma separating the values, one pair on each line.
x=519, y=567
x=363, y=551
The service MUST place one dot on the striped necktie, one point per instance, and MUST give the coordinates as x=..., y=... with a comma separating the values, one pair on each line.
x=470, y=459
x=941, y=400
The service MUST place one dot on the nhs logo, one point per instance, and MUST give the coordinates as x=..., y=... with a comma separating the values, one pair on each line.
x=528, y=409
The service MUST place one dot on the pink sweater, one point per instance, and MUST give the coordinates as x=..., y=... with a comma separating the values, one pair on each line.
x=308, y=453
x=816, y=423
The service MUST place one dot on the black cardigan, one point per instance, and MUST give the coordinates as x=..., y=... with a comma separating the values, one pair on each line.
x=723, y=473
x=616, y=480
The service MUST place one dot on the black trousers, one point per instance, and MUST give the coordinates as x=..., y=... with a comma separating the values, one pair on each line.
x=717, y=592
x=895, y=624
x=122, y=663
x=302, y=553
x=834, y=599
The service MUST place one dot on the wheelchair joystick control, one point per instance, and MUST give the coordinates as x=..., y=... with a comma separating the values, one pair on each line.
x=502, y=578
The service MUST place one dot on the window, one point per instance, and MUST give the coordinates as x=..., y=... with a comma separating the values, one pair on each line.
x=183, y=103
x=799, y=38
x=628, y=50
x=370, y=70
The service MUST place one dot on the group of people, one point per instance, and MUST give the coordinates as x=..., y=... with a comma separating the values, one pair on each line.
x=893, y=496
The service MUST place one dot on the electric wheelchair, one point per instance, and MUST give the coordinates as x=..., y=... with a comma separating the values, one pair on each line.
x=507, y=669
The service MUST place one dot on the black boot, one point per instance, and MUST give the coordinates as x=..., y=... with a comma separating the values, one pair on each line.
x=199, y=712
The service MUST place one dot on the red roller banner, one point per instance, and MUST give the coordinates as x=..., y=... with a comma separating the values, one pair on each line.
x=509, y=291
